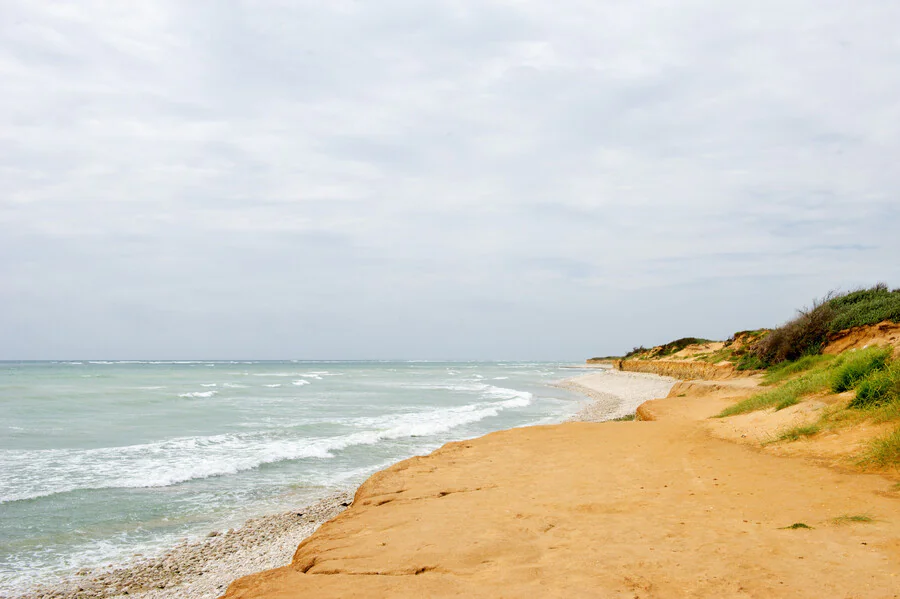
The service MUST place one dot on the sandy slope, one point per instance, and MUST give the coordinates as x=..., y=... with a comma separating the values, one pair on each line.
x=619, y=509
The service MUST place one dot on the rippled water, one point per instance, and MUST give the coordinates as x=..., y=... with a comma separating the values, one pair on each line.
x=100, y=460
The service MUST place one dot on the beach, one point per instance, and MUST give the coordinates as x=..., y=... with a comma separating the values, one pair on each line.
x=203, y=569
x=659, y=508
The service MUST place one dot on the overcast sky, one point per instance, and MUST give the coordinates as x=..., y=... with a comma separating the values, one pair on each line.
x=444, y=179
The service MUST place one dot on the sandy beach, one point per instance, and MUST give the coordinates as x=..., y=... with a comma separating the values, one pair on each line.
x=203, y=569
x=659, y=508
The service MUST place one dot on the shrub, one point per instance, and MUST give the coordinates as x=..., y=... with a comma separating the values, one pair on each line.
x=853, y=367
x=808, y=332
x=865, y=306
x=635, y=351
x=804, y=335
x=880, y=387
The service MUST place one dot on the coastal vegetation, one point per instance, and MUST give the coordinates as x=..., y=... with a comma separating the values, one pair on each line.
x=855, y=381
x=808, y=333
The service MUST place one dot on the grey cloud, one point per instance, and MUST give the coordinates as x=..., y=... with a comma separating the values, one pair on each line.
x=437, y=180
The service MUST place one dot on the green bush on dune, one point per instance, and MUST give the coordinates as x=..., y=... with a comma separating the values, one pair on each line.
x=879, y=387
x=866, y=306
x=868, y=370
x=853, y=367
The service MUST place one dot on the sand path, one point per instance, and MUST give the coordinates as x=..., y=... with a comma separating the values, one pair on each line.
x=617, y=509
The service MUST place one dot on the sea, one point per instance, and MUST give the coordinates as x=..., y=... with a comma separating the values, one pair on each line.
x=102, y=460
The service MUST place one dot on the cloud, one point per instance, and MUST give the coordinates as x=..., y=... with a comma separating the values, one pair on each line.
x=450, y=179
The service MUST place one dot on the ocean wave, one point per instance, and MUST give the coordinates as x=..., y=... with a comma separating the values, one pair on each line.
x=273, y=385
x=29, y=474
x=234, y=386
x=208, y=385
x=198, y=394
x=301, y=382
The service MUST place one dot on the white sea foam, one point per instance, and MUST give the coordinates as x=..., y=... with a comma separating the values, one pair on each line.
x=26, y=474
x=273, y=385
x=208, y=385
x=198, y=394
x=301, y=382
x=234, y=386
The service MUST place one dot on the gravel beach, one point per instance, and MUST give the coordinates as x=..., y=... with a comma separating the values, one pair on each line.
x=201, y=569
x=615, y=394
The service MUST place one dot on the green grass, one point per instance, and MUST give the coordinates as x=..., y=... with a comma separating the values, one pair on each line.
x=795, y=526
x=879, y=388
x=785, y=370
x=854, y=519
x=852, y=367
x=784, y=396
x=794, y=434
x=750, y=362
x=883, y=451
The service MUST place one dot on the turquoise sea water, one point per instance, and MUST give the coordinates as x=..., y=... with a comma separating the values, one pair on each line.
x=101, y=460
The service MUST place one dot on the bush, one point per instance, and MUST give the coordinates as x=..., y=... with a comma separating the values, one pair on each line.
x=635, y=351
x=865, y=306
x=808, y=333
x=880, y=387
x=853, y=367
x=802, y=336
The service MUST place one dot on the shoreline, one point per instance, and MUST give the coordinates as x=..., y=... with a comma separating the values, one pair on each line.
x=203, y=569
x=200, y=569
x=656, y=508
x=615, y=394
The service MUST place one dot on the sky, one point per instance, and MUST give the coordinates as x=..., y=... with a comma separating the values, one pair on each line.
x=449, y=179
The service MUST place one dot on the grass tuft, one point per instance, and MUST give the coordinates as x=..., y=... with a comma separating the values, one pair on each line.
x=795, y=526
x=879, y=388
x=794, y=434
x=781, y=397
x=853, y=367
x=884, y=451
x=625, y=418
x=856, y=518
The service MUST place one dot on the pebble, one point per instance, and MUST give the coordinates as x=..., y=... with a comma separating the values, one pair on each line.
x=200, y=569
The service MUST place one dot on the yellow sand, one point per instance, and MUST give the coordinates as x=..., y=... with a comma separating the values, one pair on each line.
x=618, y=509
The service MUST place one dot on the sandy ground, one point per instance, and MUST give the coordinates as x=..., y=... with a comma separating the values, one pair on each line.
x=661, y=508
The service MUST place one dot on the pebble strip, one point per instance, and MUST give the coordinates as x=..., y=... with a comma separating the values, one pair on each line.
x=615, y=394
x=201, y=569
